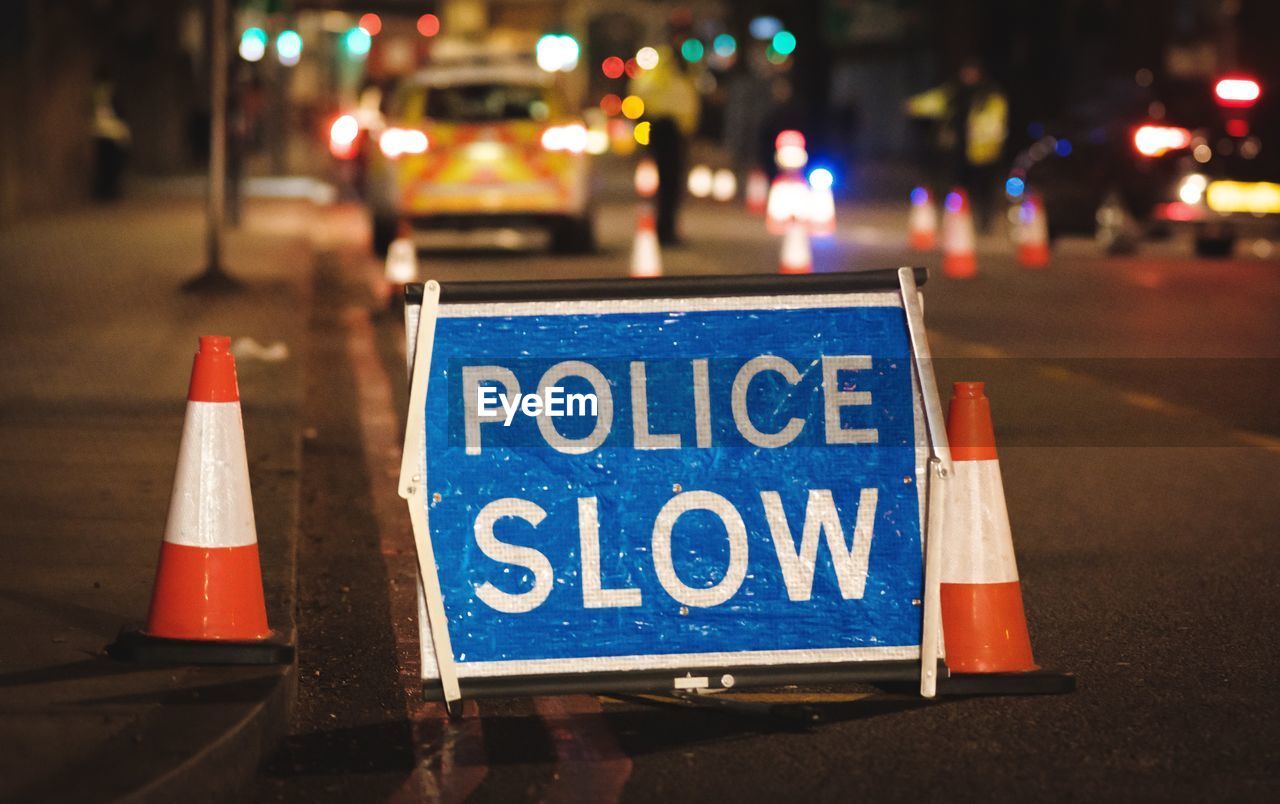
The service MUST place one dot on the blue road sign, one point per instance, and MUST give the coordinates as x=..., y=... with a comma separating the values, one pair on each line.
x=673, y=483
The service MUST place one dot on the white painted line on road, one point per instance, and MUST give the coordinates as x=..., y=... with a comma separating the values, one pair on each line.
x=1137, y=399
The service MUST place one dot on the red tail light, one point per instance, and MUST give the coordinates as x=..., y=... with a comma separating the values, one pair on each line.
x=1237, y=91
x=1158, y=140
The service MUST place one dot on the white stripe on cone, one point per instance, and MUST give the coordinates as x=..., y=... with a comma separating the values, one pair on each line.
x=402, y=261
x=957, y=232
x=797, y=254
x=211, y=504
x=976, y=511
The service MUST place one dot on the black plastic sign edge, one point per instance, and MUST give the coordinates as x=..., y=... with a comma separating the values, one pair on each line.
x=664, y=287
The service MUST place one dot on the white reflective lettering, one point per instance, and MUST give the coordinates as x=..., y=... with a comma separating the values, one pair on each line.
x=593, y=595
x=472, y=377
x=833, y=398
x=533, y=560
x=742, y=417
x=604, y=397
x=735, y=530
x=820, y=517
x=702, y=402
x=640, y=414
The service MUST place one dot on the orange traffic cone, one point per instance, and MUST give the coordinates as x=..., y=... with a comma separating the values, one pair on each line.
x=402, y=257
x=207, y=605
x=958, y=259
x=797, y=256
x=646, y=257
x=983, y=623
x=646, y=177
x=757, y=192
x=1032, y=233
x=922, y=224
x=788, y=201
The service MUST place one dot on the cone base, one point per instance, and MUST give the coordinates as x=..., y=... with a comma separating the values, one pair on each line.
x=1033, y=256
x=208, y=594
x=132, y=645
x=959, y=266
x=923, y=241
x=985, y=628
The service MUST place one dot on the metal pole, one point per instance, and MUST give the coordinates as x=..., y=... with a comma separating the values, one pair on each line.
x=214, y=277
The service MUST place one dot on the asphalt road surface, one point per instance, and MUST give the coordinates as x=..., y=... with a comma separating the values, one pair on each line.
x=1137, y=410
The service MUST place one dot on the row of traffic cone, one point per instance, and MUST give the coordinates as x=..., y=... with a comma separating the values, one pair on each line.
x=208, y=591
x=959, y=258
x=646, y=255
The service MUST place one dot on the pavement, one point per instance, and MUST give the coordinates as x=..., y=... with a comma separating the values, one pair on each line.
x=96, y=343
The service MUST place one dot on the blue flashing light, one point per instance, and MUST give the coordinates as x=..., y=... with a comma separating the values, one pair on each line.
x=821, y=178
x=919, y=196
x=1014, y=187
x=764, y=28
x=1063, y=148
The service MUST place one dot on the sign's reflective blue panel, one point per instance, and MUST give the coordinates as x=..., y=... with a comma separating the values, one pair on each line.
x=745, y=491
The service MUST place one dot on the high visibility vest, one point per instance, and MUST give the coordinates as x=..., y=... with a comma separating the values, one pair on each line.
x=987, y=125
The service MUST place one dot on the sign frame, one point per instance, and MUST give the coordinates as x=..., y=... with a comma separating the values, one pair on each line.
x=422, y=307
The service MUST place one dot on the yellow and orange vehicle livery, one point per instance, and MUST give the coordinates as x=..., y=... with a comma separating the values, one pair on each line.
x=466, y=146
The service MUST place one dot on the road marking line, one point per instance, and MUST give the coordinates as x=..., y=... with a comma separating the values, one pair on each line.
x=450, y=762
x=590, y=765
x=1137, y=399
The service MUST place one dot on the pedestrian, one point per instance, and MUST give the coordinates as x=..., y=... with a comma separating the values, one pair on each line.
x=972, y=117
x=111, y=139
x=672, y=107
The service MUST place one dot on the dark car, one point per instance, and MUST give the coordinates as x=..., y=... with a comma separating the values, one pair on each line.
x=1139, y=162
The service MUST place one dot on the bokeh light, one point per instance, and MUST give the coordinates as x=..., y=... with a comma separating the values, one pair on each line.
x=253, y=44
x=1014, y=187
x=357, y=42
x=724, y=45
x=784, y=43
x=700, y=180
x=641, y=133
x=692, y=50
x=821, y=178
x=428, y=25
x=764, y=28
x=724, y=185
x=632, y=107
x=288, y=47
x=612, y=67
x=372, y=23
x=647, y=58
x=611, y=104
